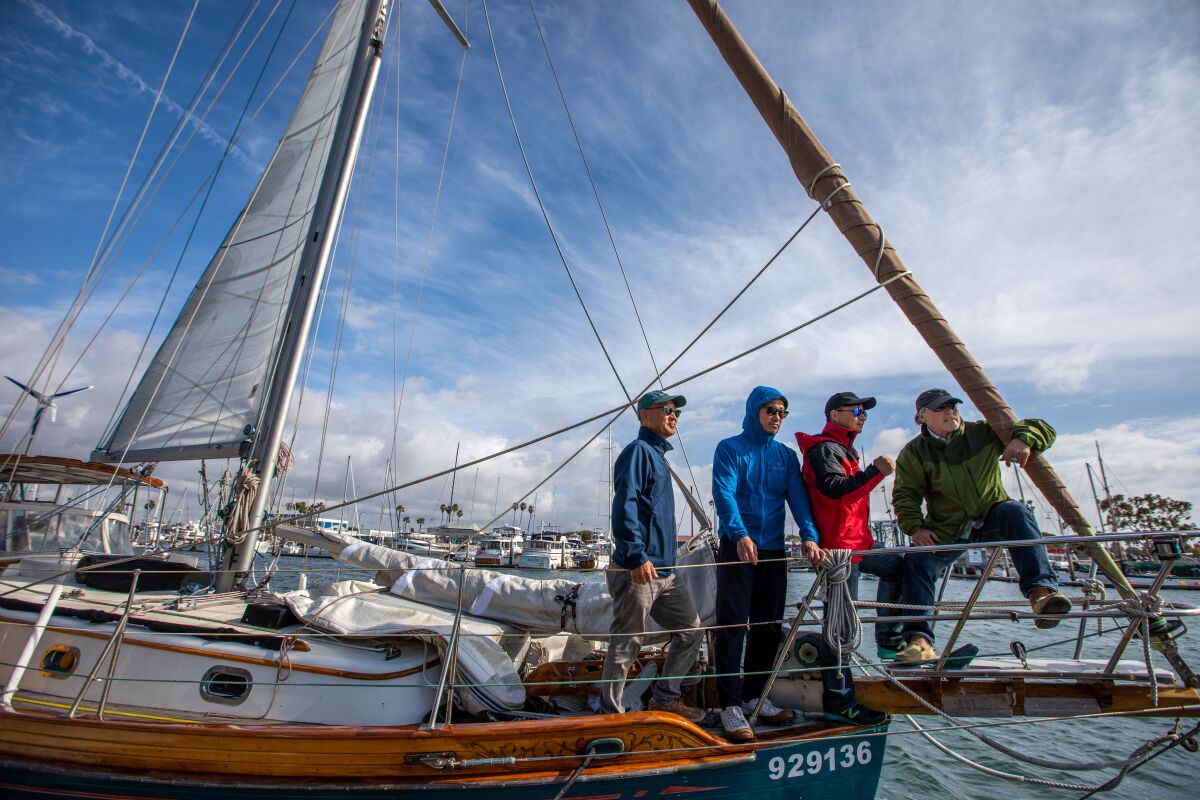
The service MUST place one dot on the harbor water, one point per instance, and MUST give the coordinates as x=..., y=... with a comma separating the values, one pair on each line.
x=916, y=770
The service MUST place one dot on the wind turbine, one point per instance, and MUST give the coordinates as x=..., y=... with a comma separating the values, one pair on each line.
x=44, y=401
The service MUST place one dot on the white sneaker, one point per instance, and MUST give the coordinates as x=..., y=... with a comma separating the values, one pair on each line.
x=769, y=713
x=735, y=725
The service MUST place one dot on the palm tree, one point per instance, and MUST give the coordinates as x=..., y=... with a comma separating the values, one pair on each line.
x=420, y=522
x=406, y=521
x=442, y=508
x=459, y=513
x=514, y=514
x=530, y=525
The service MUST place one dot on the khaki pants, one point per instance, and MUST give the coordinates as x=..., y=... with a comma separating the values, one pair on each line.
x=667, y=603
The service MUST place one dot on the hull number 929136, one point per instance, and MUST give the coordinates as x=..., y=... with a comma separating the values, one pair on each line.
x=798, y=765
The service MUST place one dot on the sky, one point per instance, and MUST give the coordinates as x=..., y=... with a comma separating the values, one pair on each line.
x=1033, y=163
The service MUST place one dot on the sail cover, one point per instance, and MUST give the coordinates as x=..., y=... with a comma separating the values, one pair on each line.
x=209, y=378
x=538, y=606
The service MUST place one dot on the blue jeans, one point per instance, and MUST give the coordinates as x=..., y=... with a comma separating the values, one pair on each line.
x=838, y=685
x=1008, y=520
x=888, y=568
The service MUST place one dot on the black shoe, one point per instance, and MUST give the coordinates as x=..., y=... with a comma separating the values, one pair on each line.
x=857, y=715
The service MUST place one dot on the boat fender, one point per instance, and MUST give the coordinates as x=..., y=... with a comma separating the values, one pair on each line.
x=568, y=602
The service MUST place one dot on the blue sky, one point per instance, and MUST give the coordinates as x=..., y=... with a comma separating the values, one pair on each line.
x=1033, y=163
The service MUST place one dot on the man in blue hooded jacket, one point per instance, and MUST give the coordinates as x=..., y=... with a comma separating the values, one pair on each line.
x=753, y=476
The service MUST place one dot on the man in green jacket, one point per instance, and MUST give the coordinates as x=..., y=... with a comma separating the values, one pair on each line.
x=954, y=469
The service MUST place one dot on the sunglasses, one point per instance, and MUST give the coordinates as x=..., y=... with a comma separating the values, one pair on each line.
x=776, y=412
x=667, y=410
x=857, y=411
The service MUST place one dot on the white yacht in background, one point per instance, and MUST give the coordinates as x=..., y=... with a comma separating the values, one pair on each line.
x=546, y=549
x=422, y=544
x=501, y=547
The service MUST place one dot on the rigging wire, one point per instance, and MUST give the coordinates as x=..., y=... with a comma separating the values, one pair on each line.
x=618, y=409
x=195, y=196
x=207, y=195
x=608, y=229
x=162, y=179
x=232, y=237
x=364, y=187
x=398, y=399
x=51, y=354
x=542, y=207
x=146, y=194
x=566, y=267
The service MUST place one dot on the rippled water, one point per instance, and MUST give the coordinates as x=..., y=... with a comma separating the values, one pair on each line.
x=915, y=770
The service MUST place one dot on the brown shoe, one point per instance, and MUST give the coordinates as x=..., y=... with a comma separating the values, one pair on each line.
x=679, y=707
x=1052, y=603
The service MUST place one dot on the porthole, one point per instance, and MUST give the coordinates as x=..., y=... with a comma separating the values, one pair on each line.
x=226, y=685
x=59, y=661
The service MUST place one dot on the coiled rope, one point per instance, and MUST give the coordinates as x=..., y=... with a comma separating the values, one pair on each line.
x=841, y=628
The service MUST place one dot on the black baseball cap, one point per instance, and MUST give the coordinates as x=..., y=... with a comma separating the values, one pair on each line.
x=933, y=399
x=844, y=399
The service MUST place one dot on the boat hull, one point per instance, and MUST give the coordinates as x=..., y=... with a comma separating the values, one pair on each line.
x=666, y=758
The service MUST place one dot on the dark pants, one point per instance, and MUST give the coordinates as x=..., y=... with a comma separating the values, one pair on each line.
x=751, y=593
x=838, y=685
x=1005, y=521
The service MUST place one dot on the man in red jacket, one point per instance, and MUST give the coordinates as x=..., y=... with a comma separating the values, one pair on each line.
x=839, y=491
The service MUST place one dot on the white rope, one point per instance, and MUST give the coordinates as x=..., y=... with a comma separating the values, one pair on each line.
x=1140, y=611
x=842, y=630
x=239, y=518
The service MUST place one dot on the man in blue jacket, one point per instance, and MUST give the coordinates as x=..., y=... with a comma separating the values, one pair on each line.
x=639, y=576
x=753, y=475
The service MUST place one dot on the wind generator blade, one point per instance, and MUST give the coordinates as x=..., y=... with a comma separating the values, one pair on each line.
x=72, y=391
x=23, y=386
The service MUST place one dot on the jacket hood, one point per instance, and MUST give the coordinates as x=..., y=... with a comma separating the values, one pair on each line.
x=831, y=431
x=759, y=397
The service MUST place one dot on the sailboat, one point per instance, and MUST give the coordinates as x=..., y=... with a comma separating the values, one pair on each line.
x=396, y=687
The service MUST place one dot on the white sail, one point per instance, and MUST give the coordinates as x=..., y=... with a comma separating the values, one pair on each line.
x=210, y=377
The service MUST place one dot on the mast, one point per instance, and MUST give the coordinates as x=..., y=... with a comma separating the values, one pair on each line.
x=454, y=473
x=826, y=183
x=331, y=202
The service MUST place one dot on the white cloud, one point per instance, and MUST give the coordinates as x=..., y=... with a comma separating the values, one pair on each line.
x=1038, y=190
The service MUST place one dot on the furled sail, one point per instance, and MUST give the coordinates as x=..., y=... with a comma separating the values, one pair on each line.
x=209, y=379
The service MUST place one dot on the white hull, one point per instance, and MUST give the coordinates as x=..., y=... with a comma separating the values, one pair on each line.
x=327, y=683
